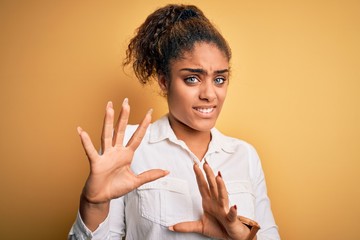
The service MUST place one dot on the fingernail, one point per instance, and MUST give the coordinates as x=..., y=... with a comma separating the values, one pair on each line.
x=235, y=207
x=219, y=174
x=126, y=101
x=150, y=111
x=171, y=228
x=109, y=104
x=79, y=130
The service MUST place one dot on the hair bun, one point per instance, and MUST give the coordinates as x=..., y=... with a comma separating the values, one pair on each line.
x=186, y=14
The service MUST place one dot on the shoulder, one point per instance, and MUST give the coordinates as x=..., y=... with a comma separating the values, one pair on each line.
x=232, y=144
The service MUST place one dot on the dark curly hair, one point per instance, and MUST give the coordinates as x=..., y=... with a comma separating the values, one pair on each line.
x=165, y=35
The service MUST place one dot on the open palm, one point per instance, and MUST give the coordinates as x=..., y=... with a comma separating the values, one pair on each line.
x=110, y=174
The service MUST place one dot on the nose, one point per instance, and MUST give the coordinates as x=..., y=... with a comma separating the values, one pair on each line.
x=207, y=91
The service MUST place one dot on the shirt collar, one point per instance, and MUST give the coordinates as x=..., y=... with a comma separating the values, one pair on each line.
x=219, y=142
x=161, y=130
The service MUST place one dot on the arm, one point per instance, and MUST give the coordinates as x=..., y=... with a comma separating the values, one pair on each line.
x=110, y=174
x=263, y=212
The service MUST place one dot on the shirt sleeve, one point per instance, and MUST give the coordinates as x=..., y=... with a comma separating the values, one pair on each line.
x=113, y=226
x=263, y=213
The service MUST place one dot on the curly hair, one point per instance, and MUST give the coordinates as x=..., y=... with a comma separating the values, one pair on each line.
x=165, y=35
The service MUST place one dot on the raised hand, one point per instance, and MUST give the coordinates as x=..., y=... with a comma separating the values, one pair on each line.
x=218, y=220
x=110, y=174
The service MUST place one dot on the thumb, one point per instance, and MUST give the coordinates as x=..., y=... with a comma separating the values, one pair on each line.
x=232, y=214
x=151, y=175
x=193, y=226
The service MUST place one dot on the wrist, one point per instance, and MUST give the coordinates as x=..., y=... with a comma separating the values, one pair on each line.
x=93, y=214
x=84, y=198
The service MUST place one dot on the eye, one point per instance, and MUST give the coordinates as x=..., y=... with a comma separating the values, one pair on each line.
x=191, y=80
x=219, y=80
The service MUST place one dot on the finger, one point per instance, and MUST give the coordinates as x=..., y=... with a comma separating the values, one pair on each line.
x=151, y=175
x=107, y=132
x=87, y=144
x=201, y=182
x=223, y=197
x=186, y=227
x=232, y=214
x=139, y=134
x=211, y=180
x=121, y=124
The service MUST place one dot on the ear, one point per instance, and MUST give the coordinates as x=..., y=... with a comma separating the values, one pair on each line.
x=163, y=83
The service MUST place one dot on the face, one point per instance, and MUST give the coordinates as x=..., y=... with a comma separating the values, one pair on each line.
x=197, y=88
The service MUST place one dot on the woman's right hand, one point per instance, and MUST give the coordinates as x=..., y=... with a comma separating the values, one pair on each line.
x=110, y=173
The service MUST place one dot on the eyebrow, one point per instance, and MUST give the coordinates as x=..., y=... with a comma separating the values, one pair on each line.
x=202, y=71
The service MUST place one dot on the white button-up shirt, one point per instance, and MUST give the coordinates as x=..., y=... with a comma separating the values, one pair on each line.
x=147, y=212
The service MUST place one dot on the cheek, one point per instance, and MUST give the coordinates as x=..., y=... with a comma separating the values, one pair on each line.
x=181, y=95
x=222, y=94
x=180, y=103
x=173, y=100
x=178, y=100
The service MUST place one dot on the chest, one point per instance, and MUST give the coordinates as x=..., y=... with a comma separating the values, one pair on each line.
x=176, y=197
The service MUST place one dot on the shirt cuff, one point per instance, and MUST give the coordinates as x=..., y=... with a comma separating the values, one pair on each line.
x=80, y=230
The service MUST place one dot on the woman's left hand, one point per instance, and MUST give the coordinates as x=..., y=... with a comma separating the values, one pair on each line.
x=219, y=220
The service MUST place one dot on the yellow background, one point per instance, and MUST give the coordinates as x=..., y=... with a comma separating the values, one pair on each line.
x=294, y=94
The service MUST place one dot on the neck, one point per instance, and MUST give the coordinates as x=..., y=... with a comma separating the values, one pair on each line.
x=197, y=141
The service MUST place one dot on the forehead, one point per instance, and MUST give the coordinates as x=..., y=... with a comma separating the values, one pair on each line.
x=203, y=55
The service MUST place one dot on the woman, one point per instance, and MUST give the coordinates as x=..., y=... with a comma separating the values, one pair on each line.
x=148, y=182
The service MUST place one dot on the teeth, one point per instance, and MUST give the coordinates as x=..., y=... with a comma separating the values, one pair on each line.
x=205, y=110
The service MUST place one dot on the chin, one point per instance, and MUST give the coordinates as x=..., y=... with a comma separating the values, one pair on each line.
x=204, y=126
